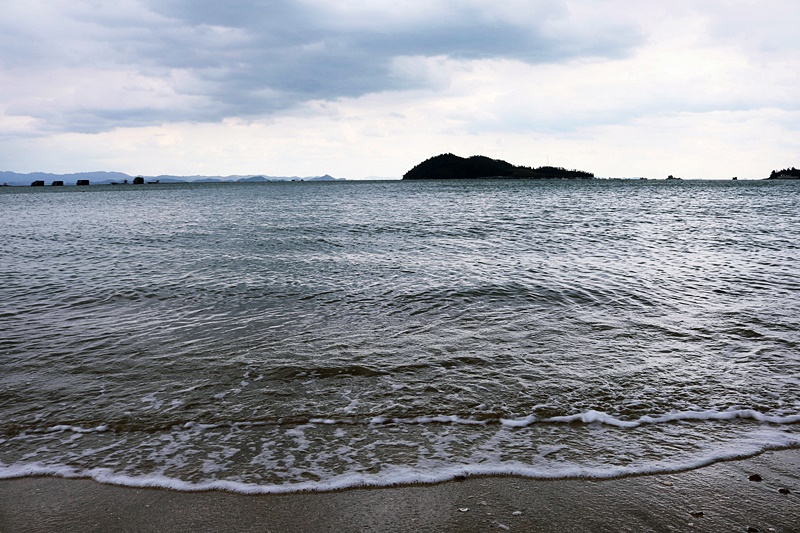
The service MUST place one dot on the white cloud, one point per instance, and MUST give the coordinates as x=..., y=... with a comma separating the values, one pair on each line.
x=236, y=53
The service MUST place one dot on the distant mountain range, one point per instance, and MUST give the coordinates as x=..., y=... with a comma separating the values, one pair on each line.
x=105, y=178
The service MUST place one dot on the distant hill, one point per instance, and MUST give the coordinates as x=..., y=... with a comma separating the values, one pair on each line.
x=450, y=166
x=104, y=178
x=785, y=174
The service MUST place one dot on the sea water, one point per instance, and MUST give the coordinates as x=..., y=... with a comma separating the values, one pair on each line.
x=281, y=337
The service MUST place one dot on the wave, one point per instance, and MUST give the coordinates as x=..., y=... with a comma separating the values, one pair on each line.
x=590, y=417
x=407, y=475
x=597, y=417
x=587, y=417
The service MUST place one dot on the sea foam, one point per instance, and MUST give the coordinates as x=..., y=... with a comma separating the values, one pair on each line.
x=406, y=475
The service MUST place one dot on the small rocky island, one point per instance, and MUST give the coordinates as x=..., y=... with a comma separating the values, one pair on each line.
x=449, y=166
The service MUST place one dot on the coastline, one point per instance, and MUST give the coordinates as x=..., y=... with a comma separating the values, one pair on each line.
x=719, y=497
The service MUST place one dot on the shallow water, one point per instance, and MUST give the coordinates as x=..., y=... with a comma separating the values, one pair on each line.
x=294, y=336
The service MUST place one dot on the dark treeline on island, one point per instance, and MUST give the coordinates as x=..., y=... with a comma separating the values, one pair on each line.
x=450, y=166
x=785, y=174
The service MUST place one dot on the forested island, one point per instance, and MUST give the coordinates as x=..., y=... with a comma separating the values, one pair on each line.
x=785, y=174
x=450, y=166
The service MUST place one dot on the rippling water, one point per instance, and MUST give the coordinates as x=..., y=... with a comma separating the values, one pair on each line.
x=308, y=336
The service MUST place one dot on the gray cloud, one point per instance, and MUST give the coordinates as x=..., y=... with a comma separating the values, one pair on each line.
x=256, y=57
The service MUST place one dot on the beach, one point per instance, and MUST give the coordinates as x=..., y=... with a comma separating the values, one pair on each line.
x=719, y=497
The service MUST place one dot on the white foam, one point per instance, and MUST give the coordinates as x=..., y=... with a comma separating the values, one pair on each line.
x=74, y=429
x=432, y=419
x=406, y=475
x=590, y=417
x=594, y=417
x=288, y=454
x=519, y=422
x=587, y=417
x=327, y=421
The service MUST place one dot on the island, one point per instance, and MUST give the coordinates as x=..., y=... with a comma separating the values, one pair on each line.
x=785, y=174
x=450, y=166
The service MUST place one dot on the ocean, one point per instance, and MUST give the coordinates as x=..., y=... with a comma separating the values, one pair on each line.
x=311, y=336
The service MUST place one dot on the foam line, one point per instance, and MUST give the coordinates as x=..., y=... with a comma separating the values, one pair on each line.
x=404, y=475
x=590, y=417
x=587, y=417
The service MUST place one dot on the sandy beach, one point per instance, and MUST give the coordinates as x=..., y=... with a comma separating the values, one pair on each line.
x=720, y=497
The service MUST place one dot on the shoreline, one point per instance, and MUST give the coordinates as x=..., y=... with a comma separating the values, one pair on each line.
x=718, y=497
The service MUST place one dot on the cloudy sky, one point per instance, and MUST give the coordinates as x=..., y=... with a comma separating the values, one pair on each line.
x=355, y=88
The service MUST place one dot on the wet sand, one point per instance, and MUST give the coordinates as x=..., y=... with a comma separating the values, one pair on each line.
x=720, y=497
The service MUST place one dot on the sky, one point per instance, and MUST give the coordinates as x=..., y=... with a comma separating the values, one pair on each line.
x=360, y=89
